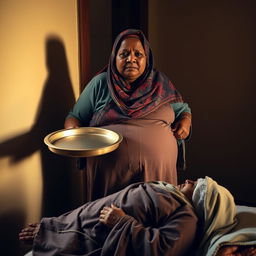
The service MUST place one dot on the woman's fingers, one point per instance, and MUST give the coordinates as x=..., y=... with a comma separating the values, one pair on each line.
x=29, y=233
x=181, y=133
x=105, y=210
x=104, y=214
x=181, y=129
x=110, y=215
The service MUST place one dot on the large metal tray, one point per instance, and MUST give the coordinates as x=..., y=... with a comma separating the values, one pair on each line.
x=83, y=142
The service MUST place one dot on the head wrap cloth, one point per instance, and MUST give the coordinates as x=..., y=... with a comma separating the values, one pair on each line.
x=216, y=209
x=150, y=91
x=215, y=206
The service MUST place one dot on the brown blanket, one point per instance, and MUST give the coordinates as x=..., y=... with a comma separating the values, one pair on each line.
x=156, y=224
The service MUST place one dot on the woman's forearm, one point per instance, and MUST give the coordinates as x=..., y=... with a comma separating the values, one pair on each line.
x=72, y=122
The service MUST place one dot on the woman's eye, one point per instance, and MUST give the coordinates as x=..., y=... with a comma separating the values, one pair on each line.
x=123, y=54
x=138, y=54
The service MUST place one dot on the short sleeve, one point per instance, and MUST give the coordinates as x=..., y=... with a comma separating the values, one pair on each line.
x=93, y=98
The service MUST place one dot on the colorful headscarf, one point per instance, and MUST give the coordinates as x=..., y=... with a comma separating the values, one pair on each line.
x=150, y=91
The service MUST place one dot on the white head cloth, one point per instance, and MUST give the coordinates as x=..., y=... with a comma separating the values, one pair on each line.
x=216, y=208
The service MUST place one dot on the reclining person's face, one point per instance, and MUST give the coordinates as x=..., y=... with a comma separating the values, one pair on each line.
x=188, y=188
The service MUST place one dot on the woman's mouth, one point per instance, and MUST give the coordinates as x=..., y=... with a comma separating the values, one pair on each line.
x=130, y=68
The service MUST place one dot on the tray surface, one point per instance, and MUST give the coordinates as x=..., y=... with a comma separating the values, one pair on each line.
x=83, y=142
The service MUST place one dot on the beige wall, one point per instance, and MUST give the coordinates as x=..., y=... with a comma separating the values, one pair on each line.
x=207, y=48
x=38, y=83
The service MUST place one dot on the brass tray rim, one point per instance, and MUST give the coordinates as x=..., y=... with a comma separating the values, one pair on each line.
x=49, y=140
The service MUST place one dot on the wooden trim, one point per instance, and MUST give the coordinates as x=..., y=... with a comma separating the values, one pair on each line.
x=83, y=37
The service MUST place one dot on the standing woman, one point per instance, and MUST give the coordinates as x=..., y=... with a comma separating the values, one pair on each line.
x=132, y=98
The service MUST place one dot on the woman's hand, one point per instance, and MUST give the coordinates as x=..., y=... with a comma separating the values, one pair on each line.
x=72, y=123
x=110, y=215
x=181, y=128
x=28, y=234
x=237, y=251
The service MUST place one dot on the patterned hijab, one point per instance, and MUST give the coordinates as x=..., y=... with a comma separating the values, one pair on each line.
x=150, y=91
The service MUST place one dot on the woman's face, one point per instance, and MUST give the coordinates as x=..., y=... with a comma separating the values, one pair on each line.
x=188, y=188
x=131, y=59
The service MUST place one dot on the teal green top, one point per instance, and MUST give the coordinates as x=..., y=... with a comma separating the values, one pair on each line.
x=96, y=95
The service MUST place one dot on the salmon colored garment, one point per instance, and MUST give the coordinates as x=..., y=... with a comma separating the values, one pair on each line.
x=148, y=152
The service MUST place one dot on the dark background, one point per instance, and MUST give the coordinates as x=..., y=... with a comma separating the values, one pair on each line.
x=207, y=48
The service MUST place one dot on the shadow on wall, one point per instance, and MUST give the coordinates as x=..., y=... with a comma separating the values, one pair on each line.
x=56, y=100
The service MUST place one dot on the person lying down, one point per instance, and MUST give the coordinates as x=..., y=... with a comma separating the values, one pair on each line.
x=153, y=218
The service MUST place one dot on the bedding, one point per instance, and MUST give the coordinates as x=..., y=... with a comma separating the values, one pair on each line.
x=243, y=233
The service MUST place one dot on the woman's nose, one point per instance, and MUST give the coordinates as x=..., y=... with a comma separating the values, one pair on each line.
x=131, y=58
x=189, y=182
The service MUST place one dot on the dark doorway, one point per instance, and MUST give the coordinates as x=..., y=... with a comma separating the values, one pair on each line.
x=129, y=14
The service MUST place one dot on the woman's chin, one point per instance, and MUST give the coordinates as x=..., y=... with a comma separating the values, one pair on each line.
x=131, y=78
